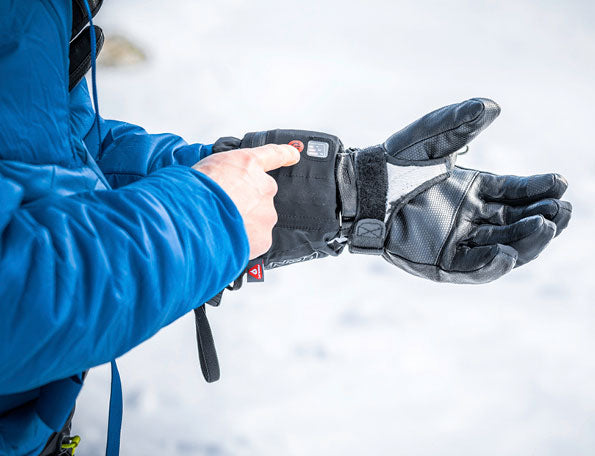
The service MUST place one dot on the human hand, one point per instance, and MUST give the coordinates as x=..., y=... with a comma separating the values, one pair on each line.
x=242, y=174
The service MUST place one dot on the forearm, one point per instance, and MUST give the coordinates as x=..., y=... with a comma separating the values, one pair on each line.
x=90, y=276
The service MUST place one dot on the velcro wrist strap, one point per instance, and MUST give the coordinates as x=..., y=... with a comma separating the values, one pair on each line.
x=369, y=231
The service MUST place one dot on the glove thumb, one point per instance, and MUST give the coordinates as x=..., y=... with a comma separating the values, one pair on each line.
x=442, y=132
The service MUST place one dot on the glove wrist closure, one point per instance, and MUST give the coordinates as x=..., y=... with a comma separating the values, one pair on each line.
x=371, y=181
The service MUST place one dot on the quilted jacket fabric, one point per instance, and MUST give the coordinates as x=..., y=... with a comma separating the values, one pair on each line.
x=101, y=246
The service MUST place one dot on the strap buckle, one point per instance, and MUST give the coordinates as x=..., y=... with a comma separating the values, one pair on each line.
x=69, y=445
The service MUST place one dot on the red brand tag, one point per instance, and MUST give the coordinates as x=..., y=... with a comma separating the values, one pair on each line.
x=256, y=271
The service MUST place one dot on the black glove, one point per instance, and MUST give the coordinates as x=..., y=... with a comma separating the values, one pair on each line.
x=334, y=197
x=475, y=226
x=405, y=200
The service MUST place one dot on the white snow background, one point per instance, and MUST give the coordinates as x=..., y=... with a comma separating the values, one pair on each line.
x=351, y=356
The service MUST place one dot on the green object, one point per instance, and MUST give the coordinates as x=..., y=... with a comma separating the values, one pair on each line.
x=71, y=443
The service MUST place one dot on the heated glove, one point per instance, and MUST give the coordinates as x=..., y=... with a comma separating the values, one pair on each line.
x=336, y=197
x=403, y=199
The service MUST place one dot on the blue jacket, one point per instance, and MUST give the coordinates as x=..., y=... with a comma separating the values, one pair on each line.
x=99, y=249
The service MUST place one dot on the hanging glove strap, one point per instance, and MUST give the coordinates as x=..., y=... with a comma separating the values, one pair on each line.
x=207, y=353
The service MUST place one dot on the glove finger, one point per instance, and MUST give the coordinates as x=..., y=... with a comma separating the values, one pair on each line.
x=482, y=264
x=563, y=216
x=516, y=190
x=555, y=210
x=528, y=236
x=442, y=132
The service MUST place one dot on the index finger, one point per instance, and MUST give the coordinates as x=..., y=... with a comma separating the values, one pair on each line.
x=273, y=156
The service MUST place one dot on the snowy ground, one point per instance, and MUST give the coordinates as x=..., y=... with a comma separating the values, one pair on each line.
x=351, y=356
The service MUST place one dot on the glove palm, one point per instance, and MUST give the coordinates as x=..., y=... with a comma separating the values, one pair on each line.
x=475, y=227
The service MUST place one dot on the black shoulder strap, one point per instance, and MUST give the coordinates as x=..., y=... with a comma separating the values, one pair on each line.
x=80, y=18
x=80, y=54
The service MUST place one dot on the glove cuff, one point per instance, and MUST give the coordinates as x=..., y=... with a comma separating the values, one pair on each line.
x=226, y=143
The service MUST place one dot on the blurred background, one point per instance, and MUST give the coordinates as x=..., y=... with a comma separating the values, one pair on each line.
x=351, y=356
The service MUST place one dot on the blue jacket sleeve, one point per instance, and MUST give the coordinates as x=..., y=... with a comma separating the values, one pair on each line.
x=129, y=152
x=87, y=277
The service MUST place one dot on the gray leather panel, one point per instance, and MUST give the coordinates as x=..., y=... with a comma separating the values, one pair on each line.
x=420, y=229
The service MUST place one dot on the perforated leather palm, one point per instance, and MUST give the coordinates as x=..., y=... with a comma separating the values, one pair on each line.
x=475, y=226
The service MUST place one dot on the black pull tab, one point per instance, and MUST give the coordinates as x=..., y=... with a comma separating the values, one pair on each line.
x=207, y=354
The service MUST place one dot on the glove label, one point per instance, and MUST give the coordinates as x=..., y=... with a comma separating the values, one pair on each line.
x=277, y=264
x=318, y=149
x=255, y=271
